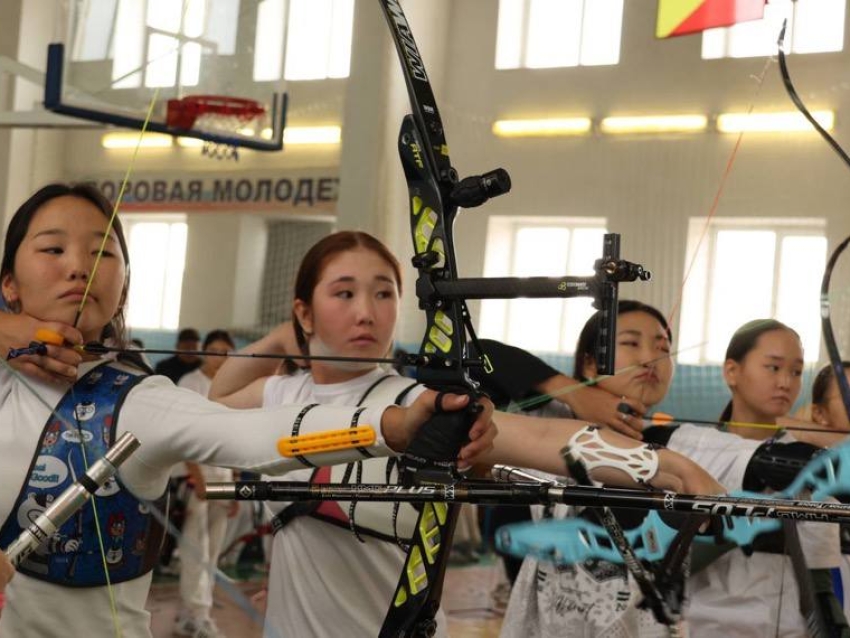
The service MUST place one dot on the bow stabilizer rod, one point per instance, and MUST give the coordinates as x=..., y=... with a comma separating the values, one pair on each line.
x=72, y=499
x=533, y=493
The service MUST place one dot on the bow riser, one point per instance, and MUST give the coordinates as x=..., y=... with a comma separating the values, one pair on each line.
x=433, y=258
x=432, y=454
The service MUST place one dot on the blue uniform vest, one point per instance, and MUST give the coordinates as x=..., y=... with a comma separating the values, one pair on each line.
x=131, y=536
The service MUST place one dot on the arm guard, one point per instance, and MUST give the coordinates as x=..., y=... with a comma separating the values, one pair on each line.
x=775, y=465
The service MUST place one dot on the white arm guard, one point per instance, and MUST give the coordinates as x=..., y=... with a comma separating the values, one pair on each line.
x=640, y=463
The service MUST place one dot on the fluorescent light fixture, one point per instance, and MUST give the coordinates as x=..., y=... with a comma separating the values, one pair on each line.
x=291, y=135
x=654, y=124
x=189, y=142
x=307, y=134
x=551, y=127
x=772, y=122
x=130, y=140
x=312, y=135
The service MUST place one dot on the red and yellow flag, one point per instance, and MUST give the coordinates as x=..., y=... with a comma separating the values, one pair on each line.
x=680, y=17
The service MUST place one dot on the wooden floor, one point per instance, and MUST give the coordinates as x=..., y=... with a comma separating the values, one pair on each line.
x=466, y=599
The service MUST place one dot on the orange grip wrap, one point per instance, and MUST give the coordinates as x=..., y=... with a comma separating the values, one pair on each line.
x=330, y=441
x=49, y=336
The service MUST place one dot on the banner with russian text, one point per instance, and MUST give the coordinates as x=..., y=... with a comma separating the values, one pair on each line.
x=295, y=191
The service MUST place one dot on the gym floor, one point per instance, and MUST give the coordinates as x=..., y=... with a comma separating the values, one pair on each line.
x=466, y=599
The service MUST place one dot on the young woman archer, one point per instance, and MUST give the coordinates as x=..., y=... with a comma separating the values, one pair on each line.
x=49, y=429
x=346, y=302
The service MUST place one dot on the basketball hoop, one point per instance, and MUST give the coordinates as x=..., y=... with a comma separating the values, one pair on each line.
x=217, y=114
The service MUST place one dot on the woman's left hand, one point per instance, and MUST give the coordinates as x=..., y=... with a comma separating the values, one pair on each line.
x=481, y=436
x=680, y=474
x=399, y=425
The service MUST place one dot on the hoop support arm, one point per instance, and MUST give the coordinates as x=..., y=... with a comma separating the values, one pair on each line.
x=53, y=102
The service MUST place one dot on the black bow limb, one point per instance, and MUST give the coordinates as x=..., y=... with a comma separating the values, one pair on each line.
x=435, y=194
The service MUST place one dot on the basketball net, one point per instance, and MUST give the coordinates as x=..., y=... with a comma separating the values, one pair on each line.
x=217, y=114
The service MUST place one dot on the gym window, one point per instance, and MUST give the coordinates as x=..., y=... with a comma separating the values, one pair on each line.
x=814, y=26
x=157, y=245
x=749, y=269
x=537, y=34
x=303, y=39
x=539, y=246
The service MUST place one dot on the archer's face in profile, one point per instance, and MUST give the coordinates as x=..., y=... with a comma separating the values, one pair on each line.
x=644, y=368
x=55, y=261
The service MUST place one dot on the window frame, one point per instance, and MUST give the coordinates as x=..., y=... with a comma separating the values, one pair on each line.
x=791, y=46
x=502, y=232
x=282, y=47
x=524, y=27
x=782, y=227
x=134, y=65
x=129, y=221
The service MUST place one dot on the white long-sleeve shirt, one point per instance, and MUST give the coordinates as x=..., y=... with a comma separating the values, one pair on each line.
x=757, y=595
x=323, y=582
x=173, y=425
x=735, y=595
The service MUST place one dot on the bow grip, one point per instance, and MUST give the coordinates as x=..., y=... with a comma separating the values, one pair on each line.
x=827, y=474
x=438, y=442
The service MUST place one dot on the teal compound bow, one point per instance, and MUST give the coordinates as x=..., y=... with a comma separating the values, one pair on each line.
x=745, y=516
x=826, y=476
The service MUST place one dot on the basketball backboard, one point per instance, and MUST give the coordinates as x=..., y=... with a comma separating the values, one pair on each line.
x=120, y=59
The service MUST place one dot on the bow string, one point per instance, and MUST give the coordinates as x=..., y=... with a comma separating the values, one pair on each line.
x=825, y=310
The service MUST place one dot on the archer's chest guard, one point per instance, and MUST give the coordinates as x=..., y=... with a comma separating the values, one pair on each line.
x=131, y=537
x=392, y=522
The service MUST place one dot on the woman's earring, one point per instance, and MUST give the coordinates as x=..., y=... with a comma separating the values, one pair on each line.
x=12, y=304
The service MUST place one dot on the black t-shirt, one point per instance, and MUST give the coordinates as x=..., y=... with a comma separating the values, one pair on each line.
x=515, y=376
x=174, y=368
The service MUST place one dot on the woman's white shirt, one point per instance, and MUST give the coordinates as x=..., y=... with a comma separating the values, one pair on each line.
x=172, y=425
x=324, y=583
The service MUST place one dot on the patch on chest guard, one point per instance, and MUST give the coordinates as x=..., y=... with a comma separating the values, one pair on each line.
x=85, y=410
x=94, y=377
x=120, y=380
x=602, y=570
